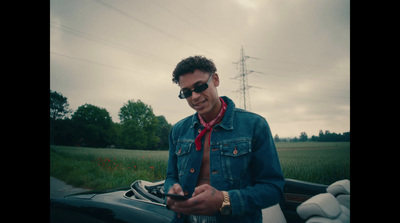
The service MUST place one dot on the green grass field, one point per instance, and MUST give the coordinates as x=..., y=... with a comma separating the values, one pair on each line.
x=100, y=168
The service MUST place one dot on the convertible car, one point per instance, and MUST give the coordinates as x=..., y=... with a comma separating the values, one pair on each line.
x=144, y=202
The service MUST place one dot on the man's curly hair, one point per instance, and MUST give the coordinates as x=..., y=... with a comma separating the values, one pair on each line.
x=190, y=64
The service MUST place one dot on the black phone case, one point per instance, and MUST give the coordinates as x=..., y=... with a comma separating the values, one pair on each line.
x=176, y=196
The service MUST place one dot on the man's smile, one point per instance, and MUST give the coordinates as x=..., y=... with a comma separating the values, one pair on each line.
x=199, y=105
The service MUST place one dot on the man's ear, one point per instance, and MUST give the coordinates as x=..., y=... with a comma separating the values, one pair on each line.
x=216, y=79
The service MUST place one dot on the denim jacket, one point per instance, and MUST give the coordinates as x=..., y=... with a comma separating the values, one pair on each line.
x=243, y=162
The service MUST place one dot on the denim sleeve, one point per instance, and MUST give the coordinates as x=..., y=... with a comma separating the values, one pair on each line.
x=172, y=170
x=267, y=178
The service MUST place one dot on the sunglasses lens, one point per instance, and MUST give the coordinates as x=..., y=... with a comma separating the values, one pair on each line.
x=200, y=88
x=185, y=94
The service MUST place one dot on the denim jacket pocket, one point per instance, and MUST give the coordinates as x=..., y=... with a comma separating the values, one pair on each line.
x=182, y=152
x=235, y=160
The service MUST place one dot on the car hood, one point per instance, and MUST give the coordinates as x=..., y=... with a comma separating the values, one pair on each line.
x=87, y=195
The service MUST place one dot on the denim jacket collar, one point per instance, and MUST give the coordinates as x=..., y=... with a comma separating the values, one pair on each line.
x=227, y=120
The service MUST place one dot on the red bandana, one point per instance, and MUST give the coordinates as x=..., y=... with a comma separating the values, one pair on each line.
x=210, y=125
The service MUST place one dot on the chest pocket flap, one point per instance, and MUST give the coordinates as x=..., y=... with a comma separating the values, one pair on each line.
x=236, y=149
x=183, y=149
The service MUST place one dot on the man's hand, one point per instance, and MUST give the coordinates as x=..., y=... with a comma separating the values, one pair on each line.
x=205, y=200
x=175, y=189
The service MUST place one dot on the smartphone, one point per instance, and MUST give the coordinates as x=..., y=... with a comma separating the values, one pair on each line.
x=176, y=196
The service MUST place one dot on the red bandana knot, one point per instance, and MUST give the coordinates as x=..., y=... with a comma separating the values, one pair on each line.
x=210, y=125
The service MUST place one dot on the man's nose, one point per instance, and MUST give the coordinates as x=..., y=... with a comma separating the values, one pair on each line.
x=195, y=95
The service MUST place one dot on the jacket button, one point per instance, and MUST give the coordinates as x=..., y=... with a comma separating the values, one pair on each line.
x=192, y=170
x=186, y=193
x=235, y=151
x=178, y=215
x=199, y=131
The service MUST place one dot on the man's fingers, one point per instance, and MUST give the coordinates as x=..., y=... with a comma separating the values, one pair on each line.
x=204, y=201
x=200, y=189
x=176, y=189
x=189, y=206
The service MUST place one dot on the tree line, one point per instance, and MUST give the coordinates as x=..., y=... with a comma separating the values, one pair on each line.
x=322, y=137
x=92, y=126
x=139, y=128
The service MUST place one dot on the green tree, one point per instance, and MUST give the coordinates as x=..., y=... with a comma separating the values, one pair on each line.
x=163, y=132
x=60, y=128
x=62, y=132
x=303, y=137
x=93, y=126
x=276, y=138
x=138, y=126
x=59, y=107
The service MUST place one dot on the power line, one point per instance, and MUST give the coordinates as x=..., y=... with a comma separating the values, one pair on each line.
x=92, y=62
x=185, y=20
x=320, y=81
x=244, y=87
x=105, y=42
x=121, y=12
x=289, y=52
x=313, y=76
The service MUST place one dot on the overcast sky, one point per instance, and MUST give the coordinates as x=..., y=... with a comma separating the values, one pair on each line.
x=107, y=52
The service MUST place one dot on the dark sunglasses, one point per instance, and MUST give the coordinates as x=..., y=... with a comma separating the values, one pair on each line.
x=198, y=89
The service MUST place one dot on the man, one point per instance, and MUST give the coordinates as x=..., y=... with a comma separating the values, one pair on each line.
x=222, y=158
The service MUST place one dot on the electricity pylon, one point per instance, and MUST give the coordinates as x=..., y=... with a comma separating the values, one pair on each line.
x=244, y=99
